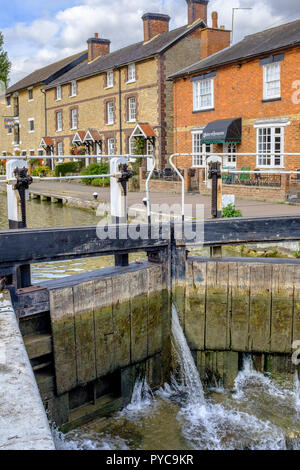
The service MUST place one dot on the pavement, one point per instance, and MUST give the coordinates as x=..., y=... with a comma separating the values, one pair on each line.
x=248, y=207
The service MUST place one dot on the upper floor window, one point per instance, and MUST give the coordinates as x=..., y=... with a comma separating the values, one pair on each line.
x=30, y=94
x=131, y=73
x=8, y=101
x=73, y=88
x=203, y=91
x=74, y=118
x=59, y=121
x=58, y=93
x=270, y=146
x=31, y=124
x=132, y=109
x=111, y=146
x=110, y=79
x=272, y=84
x=110, y=112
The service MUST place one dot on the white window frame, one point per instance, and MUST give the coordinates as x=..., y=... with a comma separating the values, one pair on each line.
x=31, y=131
x=74, y=122
x=197, y=95
x=131, y=73
x=149, y=147
x=131, y=110
x=198, y=157
x=229, y=161
x=73, y=88
x=266, y=68
x=58, y=93
x=272, y=127
x=30, y=89
x=60, y=149
x=59, y=127
x=110, y=79
x=110, y=110
x=111, y=146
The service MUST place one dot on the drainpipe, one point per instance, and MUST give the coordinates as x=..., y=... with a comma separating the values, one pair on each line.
x=120, y=113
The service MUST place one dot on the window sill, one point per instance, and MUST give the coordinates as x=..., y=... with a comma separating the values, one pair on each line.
x=58, y=99
x=58, y=130
x=270, y=168
x=132, y=121
x=30, y=132
x=269, y=100
x=203, y=110
x=130, y=81
x=72, y=96
x=30, y=101
x=110, y=124
x=73, y=128
x=8, y=105
x=108, y=87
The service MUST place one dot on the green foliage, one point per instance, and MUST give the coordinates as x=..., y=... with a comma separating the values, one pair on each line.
x=63, y=169
x=134, y=183
x=95, y=169
x=5, y=64
x=101, y=182
x=230, y=212
x=41, y=171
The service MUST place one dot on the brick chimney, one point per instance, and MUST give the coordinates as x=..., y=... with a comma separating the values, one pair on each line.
x=97, y=47
x=214, y=17
x=197, y=9
x=154, y=24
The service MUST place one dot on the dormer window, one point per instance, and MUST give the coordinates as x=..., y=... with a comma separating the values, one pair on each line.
x=110, y=79
x=30, y=94
x=131, y=73
x=73, y=88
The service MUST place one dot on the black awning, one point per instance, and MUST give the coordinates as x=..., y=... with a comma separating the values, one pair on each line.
x=223, y=131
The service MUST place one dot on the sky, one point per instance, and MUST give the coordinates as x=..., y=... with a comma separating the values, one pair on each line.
x=38, y=32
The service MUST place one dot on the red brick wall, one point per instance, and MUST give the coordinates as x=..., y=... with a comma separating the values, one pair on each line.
x=213, y=40
x=238, y=92
x=154, y=27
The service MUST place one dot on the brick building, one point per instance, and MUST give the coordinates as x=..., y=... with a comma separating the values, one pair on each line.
x=244, y=99
x=110, y=99
x=25, y=107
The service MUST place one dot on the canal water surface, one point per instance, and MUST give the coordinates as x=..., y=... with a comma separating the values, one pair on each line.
x=258, y=413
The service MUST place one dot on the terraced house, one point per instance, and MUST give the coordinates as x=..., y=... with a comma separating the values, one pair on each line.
x=110, y=99
x=244, y=99
x=24, y=108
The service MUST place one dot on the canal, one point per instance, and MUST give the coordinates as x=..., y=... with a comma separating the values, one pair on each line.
x=261, y=411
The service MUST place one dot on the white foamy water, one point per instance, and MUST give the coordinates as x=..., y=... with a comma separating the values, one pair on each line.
x=141, y=401
x=297, y=391
x=213, y=426
x=77, y=441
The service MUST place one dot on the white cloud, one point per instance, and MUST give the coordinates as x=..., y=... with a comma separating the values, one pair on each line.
x=45, y=40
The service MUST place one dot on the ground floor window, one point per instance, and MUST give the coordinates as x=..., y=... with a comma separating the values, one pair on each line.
x=60, y=149
x=111, y=146
x=230, y=159
x=270, y=146
x=199, y=149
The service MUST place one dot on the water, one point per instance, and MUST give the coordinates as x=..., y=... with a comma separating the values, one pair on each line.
x=42, y=214
x=257, y=415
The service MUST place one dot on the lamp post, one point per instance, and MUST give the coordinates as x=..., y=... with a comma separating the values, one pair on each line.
x=233, y=13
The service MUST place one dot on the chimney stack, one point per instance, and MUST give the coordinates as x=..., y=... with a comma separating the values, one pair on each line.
x=154, y=24
x=214, y=17
x=197, y=9
x=97, y=47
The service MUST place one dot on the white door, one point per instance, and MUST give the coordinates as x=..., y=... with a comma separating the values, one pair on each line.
x=230, y=160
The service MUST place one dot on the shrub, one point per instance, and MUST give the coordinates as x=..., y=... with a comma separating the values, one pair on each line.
x=102, y=182
x=63, y=169
x=95, y=169
x=41, y=171
x=230, y=212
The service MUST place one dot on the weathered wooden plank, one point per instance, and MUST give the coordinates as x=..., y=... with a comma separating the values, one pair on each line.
x=63, y=330
x=260, y=308
x=156, y=303
x=104, y=327
x=282, y=308
x=85, y=332
x=296, y=316
x=139, y=315
x=195, y=305
x=217, y=306
x=239, y=279
x=122, y=320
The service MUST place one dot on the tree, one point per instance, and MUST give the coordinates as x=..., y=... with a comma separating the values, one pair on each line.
x=5, y=64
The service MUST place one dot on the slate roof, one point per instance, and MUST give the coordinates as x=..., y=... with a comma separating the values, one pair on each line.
x=254, y=45
x=48, y=73
x=132, y=53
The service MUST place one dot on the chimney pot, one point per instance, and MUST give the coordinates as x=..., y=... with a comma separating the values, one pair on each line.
x=96, y=35
x=214, y=17
x=154, y=24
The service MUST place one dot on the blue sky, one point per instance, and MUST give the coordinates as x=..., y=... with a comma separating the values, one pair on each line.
x=38, y=32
